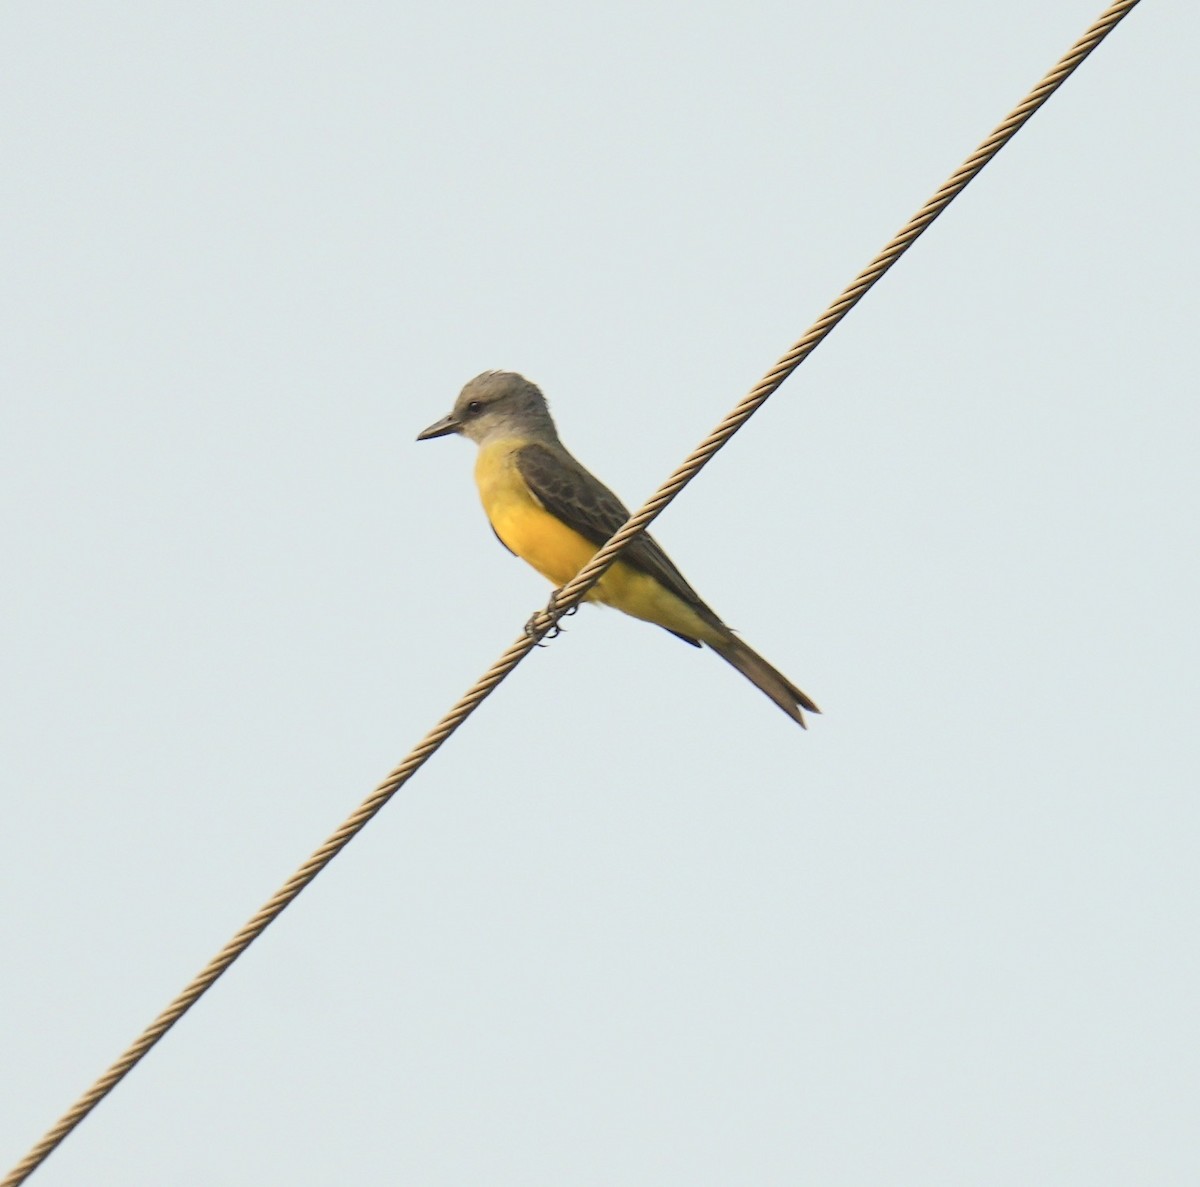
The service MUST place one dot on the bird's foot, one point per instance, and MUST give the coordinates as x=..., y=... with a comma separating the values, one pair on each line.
x=539, y=633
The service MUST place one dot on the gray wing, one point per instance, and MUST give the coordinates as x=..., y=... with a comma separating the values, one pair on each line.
x=584, y=503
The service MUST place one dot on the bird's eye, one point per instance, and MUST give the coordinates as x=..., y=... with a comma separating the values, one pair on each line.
x=474, y=408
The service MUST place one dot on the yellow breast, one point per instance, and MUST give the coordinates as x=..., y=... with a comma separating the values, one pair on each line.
x=558, y=552
x=525, y=526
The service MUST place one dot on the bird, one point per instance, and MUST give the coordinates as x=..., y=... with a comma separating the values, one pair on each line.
x=550, y=511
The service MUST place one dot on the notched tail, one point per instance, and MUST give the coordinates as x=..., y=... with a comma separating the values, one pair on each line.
x=772, y=681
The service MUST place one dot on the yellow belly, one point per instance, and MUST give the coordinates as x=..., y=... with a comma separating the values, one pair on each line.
x=558, y=552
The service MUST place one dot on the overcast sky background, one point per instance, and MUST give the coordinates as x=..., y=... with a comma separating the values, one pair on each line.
x=631, y=925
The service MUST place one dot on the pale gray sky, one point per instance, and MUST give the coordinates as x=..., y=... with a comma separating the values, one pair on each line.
x=631, y=926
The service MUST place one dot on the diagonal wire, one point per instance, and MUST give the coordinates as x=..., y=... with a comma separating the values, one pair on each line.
x=574, y=591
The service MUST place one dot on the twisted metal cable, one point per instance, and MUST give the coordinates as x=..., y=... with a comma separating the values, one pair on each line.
x=571, y=594
x=577, y=587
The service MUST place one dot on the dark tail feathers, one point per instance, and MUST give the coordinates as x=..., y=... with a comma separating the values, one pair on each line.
x=773, y=682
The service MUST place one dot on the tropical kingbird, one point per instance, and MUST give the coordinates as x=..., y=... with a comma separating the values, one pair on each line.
x=547, y=509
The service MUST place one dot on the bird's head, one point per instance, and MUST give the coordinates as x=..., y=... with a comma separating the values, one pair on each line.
x=494, y=406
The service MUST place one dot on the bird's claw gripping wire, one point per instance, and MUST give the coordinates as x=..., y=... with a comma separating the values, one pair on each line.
x=552, y=611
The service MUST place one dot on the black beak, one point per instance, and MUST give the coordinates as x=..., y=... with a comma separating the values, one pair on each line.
x=440, y=428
